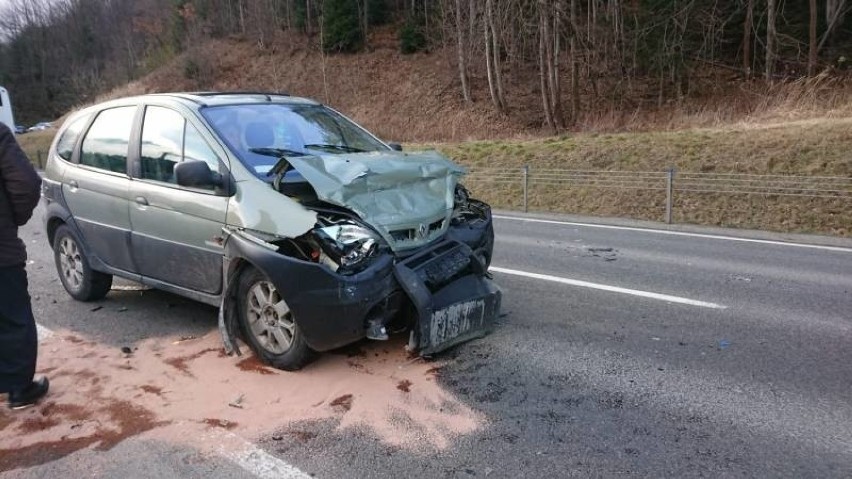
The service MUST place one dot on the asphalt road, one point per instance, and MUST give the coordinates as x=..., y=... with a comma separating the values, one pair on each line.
x=622, y=351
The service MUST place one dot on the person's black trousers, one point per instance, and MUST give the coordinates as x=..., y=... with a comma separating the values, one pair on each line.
x=18, y=336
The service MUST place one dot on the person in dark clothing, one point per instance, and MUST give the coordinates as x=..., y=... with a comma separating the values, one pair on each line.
x=19, y=194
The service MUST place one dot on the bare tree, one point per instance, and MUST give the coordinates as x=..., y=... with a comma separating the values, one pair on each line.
x=462, y=53
x=575, y=69
x=835, y=11
x=748, y=27
x=492, y=58
x=548, y=59
x=770, y=39
x=812, y=38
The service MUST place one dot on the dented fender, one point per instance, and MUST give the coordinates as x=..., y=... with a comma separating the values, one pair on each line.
x=330, y=309
x=258, y=207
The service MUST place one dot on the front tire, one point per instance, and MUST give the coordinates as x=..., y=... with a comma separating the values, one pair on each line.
x=78, y=278
x=268, y=325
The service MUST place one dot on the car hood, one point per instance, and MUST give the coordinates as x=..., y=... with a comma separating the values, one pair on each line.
x=408, y=197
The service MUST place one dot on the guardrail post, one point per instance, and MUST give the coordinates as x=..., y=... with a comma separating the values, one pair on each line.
x=526, y=187
x=669, y=193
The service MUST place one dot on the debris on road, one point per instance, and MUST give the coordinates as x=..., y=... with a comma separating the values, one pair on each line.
x=607, y=254
x=121, y=287
x=343, y=403
x=96, y=308
x=237, y=403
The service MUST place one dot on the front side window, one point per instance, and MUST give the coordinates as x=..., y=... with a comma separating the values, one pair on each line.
x=65, y=145
x=259, y=134
x=105, y=145
x=162, y=144
x=167, y=139
x=195, y=148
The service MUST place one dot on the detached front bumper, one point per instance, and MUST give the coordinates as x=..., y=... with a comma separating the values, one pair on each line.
x=446, y=283
x=454, y=300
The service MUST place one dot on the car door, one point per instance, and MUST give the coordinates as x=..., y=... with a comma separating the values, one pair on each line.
x=96, y=189
x=177, y=231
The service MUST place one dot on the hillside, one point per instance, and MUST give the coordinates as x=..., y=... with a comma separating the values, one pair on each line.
x=790, y=128
x=415, y=98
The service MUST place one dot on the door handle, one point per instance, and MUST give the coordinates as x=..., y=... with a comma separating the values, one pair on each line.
x=73, y=184
x=142, y=200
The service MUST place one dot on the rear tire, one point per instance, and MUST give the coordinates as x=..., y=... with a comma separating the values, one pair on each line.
x=268, y=325
x=78, y=278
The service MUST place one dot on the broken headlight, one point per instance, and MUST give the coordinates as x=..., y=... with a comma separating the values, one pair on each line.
x=347, y=247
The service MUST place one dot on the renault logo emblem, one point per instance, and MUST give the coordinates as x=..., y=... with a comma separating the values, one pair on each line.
x=421, y=231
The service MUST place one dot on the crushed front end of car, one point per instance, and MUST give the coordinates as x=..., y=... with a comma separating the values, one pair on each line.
x=398, y=246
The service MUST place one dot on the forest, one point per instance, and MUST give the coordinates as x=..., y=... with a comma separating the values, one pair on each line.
x=58, y=54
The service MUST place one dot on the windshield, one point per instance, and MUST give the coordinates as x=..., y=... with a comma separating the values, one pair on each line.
x=261, y=133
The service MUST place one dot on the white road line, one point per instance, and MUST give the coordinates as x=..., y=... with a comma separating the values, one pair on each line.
x=840, y=249
x=43, y=333
x=605, y=287
x=254, y=459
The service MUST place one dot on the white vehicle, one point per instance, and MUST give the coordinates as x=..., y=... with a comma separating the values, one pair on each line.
x=6, y=109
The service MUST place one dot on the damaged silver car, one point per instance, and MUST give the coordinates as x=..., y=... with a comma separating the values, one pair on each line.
x=306, y=230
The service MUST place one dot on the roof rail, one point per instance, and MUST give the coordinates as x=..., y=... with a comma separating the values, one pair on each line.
x=267, y=94
x=185, y=96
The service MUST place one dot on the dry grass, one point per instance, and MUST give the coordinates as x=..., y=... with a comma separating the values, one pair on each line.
x=36, y=145
x=796, y=148
x=729, y=103
x=415, y=98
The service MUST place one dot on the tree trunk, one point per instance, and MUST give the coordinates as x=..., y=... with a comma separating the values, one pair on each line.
x=834, y=13
x=575, y=71
x=495, y=52
x=242, y=17
x=492, y=58
x=543, y=64
x=553, y=69
x=812, y=40
x=748, y=26
x=488, y=60
x=460, y=42
x=770, y=39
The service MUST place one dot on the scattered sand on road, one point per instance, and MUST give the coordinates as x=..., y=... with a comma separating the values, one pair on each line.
x=178, y=389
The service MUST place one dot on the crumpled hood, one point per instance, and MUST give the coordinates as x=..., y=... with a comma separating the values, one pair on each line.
x=395, y=192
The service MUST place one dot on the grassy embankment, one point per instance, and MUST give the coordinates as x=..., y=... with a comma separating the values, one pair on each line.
x=811, y=148
x=36, y=144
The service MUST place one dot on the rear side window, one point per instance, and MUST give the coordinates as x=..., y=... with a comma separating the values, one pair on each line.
x=65, y=145
x=167, y=139
x=105, y=145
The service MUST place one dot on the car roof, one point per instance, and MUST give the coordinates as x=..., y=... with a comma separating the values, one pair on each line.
x=197, y=100
x=235, y=98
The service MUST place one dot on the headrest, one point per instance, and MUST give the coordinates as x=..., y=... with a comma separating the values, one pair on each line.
x=259, y=135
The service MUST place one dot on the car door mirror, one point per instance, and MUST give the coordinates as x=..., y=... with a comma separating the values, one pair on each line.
x=395, y=146
x=196, y=174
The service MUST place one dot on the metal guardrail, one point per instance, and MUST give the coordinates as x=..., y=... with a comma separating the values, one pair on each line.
x=668, y=181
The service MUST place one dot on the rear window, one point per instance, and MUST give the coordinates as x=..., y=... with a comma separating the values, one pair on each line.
x=105, y=145
x=65, y=145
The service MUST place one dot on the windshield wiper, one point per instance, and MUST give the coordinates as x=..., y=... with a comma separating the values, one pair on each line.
x=276, y=152
x=347, y=149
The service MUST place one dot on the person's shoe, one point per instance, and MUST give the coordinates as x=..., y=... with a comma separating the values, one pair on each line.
x=29, y=395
